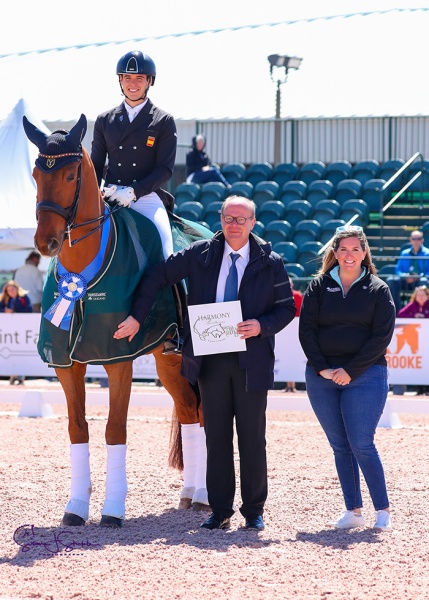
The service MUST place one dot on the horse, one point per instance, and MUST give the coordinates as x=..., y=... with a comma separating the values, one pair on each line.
x=88, y=292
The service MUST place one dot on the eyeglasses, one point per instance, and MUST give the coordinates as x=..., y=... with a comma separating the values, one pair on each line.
x=240, y=220
x=415, y=239
x=348, y=228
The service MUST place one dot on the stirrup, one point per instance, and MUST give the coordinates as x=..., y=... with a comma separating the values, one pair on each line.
x=173, y=345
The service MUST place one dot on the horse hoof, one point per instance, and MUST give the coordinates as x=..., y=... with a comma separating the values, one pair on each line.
x=184, y=504
x=108, y=521
x=200, y=506
x=72, y=520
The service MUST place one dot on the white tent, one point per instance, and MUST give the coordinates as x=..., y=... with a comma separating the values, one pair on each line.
x=17, y=187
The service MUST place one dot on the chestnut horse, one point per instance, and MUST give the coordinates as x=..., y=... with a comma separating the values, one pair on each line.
x=98, y=255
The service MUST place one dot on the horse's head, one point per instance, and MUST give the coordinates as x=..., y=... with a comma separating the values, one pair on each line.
x=57, y=174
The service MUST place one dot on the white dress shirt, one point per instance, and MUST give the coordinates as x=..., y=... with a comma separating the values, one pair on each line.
x=241, y=263
x=133, y=111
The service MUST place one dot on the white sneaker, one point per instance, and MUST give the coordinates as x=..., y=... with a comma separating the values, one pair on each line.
x=383, y=521
x=348, y=520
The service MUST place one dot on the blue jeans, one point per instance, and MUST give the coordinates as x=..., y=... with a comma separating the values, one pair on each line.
x=349, y=416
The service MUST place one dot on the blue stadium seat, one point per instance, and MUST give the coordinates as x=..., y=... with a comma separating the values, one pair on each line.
x=306, y=231
x=287, y=250
x=389, y=168
x=265, y=190
x=352, y=207
x=373, y=195
x=191, y=210
x=338, y=170
x=321, y=215
x=213, y=191
x=365, y=170
x=284, y=172
x=186, y=192
x=293, y=190
x=258, y=172
x=241, y=188
x=258, y=229
x=301, y=204
x=331, y=204
x=270, y=211
x=422, y=182
x=347, y=189
x=211, y=213
x=321, y=189
x=283, y=227
x=309, y=257
x=311, y=171
x=234, y=172
x=294, y=269
x=297, y=211
x=216, y=226
x=274, y=236
x=328, y=229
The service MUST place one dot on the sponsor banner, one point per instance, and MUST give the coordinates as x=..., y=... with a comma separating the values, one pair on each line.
x=407, y=357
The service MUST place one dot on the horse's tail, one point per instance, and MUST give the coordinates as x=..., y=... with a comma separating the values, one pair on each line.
x=175, y=457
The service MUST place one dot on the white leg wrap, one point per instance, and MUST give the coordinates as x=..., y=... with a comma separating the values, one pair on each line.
x=200, y=474
x=190, y=444
x=80, y=486
x=116, y=481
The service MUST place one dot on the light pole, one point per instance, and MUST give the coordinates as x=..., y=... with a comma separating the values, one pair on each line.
x=277, y=63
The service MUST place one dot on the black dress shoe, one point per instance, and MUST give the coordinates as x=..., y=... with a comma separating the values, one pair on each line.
x=255, y=522
x=216, y=521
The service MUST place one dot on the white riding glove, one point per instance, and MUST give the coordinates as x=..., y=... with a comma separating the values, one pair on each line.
x=121, y=194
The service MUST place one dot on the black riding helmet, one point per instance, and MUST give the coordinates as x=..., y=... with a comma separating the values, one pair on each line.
x=136, y=62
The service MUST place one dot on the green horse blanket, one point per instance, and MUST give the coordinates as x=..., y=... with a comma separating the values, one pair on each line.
x=135, y=247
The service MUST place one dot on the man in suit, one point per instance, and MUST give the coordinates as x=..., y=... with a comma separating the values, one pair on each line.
x=232, y=385
x=139, y=141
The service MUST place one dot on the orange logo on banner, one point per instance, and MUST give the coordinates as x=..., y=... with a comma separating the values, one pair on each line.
x=150, y=141
x=406, y=336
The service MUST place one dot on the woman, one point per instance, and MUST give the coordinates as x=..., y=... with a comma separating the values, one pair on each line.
x=199, y=168
x=418, y=307
x=14, y=299
x=346, y=324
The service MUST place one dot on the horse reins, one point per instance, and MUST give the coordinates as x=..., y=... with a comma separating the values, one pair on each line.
x=69, y=213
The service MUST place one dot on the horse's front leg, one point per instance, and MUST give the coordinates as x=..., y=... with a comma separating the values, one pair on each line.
x=73, y=383
x=120, y=380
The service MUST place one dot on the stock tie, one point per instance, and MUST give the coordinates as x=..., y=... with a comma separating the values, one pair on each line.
x=231, y=285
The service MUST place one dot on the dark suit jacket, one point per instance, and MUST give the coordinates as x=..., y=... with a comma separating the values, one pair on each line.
x=265, y=294
x=140, y=154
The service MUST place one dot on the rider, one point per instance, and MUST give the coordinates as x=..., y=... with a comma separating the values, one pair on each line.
x=139, y=141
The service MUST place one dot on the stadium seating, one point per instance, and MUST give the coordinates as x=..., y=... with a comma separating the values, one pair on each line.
x=186, y=192
x=270, y=211
x=258, y=172
x=277, y=231
x=321, y=189
x=297, y=211
x=293, y=190
x=373, y=195
x=422, y=182
x=284, y=172
x=338, y=170
x=388, y=169
x=333, y=205
x=258, y=229
x=307, y=230
x=265, y=191
x=328, y=229
x=213, y=191
x=241, y=188
x=294, y=269
x=287, y=250
x=234, y=172
x=352, y=207
x=190, y=210
x=211, y=213
x=365, y=170
x=309, y=257
x=311, y=171
x=347, y=189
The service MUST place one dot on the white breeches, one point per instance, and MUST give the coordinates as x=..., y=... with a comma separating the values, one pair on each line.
x=152, y=207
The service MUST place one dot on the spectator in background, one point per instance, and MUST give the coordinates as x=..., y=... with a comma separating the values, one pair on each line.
x=297, y=296
x=199, y=168
x=412, y=269
x=14, y=299
x=30, y=278
x=418, y=307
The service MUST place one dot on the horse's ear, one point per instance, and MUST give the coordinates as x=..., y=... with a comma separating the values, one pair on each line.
x=33, y=133
x=77, y=133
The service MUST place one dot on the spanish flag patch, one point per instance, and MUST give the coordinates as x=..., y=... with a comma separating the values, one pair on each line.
x=150, y=141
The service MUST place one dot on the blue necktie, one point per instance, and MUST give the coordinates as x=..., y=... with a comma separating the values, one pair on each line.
x=231, y=285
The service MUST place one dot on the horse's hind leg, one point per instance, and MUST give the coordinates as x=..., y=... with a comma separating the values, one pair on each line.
x=120, y=380
x=188, y=411
x=73, y=382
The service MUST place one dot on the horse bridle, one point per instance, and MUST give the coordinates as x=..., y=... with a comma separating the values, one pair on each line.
x=69, y=213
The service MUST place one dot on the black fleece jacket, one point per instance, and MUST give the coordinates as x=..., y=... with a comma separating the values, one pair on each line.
x=352, y=331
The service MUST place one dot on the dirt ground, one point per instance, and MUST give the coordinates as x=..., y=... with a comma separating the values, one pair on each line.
x=162, y=554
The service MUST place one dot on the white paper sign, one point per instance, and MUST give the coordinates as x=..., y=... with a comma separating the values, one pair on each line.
x=214, y=327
